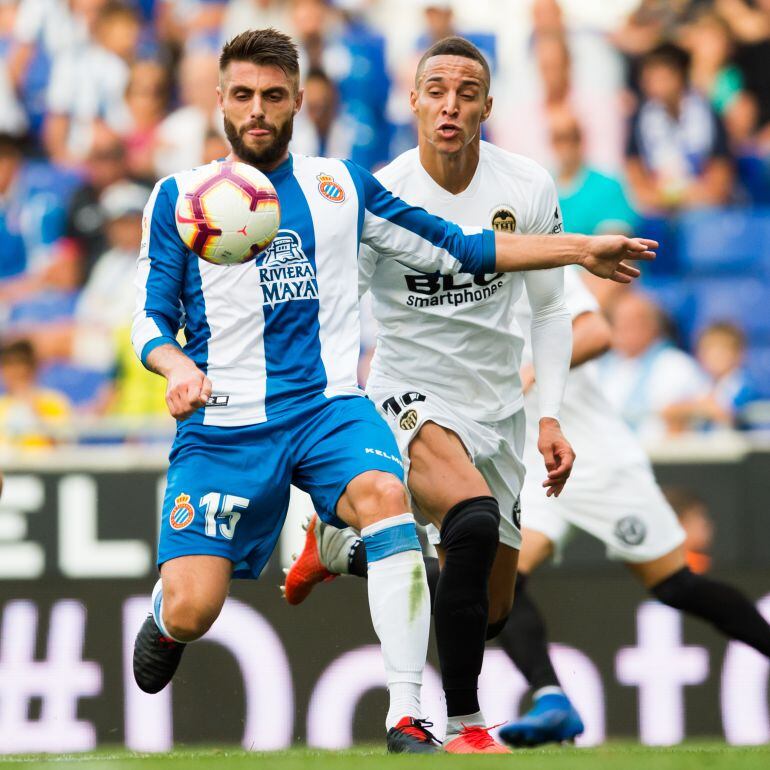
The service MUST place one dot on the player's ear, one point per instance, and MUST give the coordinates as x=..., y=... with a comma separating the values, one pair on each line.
x=487, y=109
x=298, y=100
x=413, y=100
x=220, y=97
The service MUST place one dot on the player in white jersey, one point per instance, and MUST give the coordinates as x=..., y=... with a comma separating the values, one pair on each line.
x=265, y=387
x=445, y=376
x=617, y=502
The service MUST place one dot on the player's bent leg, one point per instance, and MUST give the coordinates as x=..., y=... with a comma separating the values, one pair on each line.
x=552, y=718
x=453, y=494
x=375, y=503
x=185, y=602
x=725, y=607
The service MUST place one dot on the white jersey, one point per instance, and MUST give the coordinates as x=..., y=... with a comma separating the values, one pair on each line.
x=597, y=433
x=456, y=335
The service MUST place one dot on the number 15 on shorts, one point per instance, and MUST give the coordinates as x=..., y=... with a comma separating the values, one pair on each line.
x=222, y=513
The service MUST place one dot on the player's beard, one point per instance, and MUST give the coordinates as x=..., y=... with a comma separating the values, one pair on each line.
x=270, y=154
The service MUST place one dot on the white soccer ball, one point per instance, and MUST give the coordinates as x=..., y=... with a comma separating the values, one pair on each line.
x=227, y=213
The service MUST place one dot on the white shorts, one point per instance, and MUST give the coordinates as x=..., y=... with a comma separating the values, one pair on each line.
x=495, y=448
x=624, y=508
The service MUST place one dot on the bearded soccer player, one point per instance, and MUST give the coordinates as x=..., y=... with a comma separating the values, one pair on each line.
x=445, y=376
x=265, y=392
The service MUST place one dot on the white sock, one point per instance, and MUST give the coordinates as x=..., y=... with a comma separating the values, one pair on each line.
x=399, y=603
x=455, y=724
x=157, y=610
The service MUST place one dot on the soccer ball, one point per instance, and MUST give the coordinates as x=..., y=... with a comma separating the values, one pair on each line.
x=227, y=212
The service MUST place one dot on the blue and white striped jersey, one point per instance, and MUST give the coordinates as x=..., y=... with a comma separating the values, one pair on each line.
x=284, y=328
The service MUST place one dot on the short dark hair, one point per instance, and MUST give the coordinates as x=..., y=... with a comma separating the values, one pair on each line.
x=454, y=46
x=262, y=46
x=20, y=350
x=671, y=56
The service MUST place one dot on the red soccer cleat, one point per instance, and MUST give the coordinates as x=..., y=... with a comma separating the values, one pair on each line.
x=475, y=740
x=307, y=570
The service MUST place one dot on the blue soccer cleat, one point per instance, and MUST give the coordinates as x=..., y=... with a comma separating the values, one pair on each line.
x=552, y=719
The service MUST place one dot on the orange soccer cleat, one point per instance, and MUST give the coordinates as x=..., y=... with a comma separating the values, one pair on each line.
x=474, y=739
x=307, y=570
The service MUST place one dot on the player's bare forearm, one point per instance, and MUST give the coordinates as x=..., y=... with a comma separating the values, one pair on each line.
x=188, y=387
x=165, y=358
x=602, y=255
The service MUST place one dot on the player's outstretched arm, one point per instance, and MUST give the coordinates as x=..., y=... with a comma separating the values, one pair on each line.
x=188, y=388
x=602, y=255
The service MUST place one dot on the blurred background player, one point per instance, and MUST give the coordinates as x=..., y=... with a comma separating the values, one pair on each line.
x=612, y=495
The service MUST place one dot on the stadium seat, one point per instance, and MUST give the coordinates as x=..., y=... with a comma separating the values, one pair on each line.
x=754, y=178
x=735, y=241
x=665, y=232
x=758, y=367
x=744, y=301
x=45, y=307
x=80, y=385
x=675, y=297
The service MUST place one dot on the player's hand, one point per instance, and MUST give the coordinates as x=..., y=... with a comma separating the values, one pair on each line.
x=187, y=391
x=557, y=454
x=606, y=254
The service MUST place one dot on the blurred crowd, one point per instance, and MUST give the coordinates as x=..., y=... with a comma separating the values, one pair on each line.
x=652, y=115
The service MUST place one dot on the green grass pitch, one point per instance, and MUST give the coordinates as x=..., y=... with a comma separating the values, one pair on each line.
x=689, y=756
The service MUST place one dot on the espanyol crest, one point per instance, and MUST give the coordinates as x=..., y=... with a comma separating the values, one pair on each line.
x=330, y=189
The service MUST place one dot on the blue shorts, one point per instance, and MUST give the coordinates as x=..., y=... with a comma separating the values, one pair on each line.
x=228, y=488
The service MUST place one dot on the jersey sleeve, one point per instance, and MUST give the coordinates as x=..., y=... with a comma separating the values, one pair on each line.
x=159, y=275
x=412, y=235
x=545, y=217
x=551, y=337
